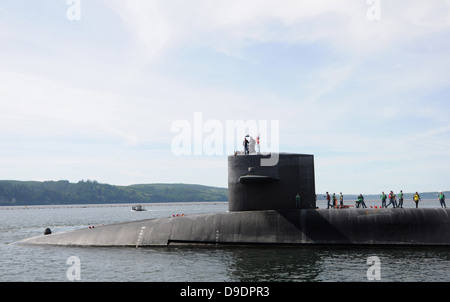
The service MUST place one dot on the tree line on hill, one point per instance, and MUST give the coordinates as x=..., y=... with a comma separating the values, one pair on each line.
x=91, y=192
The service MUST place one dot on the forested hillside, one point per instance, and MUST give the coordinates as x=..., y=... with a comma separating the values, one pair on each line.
x=92, y=192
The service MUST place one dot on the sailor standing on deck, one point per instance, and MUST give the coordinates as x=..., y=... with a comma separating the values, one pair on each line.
x=392, y=200
x=328, y=200
x=297, y=201
x=400, y=199
x=334, y=200
x=416, y=199
x=361, y=202
x=383, y=200
x=442, y=199
x=245, y=143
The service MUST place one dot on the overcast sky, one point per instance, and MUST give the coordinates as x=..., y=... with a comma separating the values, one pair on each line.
x=91, y=91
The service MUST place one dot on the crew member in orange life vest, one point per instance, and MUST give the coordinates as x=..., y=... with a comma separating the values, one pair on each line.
x=392, y=200
x=328, y=201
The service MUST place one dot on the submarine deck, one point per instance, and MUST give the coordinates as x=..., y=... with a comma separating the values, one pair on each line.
x=387, y=226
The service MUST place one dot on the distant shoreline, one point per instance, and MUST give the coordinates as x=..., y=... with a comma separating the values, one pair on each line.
x=62, y=192
x=93, y=194
x=105, y=205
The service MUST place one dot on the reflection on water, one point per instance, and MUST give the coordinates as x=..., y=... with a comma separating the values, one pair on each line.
x=306, y=263
x=273, y=264
x=334, y=264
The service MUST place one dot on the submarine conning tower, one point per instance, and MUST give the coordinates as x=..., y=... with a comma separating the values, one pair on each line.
x=270, y=181
x=263, y=210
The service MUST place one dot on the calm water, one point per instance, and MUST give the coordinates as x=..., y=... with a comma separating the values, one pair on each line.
x=180, y=264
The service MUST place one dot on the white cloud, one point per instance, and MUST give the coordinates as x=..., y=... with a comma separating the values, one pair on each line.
x=44, y=107
x=227, y=25
x=146, y=21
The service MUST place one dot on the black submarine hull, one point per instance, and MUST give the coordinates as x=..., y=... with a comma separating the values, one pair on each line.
x=263, y=208
x=427, y=226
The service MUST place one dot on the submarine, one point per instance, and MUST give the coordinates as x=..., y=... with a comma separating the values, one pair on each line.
x=262, y=209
